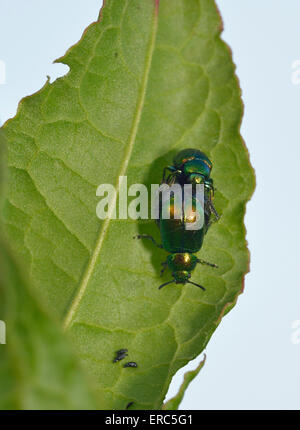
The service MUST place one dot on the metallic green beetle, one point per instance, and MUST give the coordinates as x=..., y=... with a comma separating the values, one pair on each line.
x=189, y=162
x=178, y=239
x=181, y=242
x=192, y=166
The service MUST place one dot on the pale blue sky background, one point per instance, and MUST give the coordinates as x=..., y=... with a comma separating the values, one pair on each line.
x=251, y=360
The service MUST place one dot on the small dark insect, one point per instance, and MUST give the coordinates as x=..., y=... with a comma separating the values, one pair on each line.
x=122, y=351
x=120, y=357
x=129, y=404
x=130, y=364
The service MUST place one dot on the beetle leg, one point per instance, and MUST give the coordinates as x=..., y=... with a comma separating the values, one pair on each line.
x=165, y=265
x=172, y=175
x=147, y=236
x=206, y=263
x=210, y=209
x=170, y=179
x=170, y=168
x=213, y=210
x=210, y=222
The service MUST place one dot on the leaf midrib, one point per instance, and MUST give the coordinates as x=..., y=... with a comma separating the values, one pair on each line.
x=135, y=125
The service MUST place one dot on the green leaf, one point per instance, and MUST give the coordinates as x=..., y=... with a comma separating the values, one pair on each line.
x=38, y=369
x=146, y=80
x=173, y=403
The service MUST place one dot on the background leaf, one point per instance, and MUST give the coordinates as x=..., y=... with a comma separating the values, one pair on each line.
x=146, y=80
x=38, y=368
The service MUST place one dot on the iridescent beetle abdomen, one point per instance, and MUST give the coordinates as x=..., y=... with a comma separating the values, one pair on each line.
x=186, y=233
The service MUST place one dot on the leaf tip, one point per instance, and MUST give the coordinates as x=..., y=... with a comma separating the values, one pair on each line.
x=175, y=401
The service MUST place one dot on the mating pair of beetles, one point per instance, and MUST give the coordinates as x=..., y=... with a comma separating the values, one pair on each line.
x=190, y=166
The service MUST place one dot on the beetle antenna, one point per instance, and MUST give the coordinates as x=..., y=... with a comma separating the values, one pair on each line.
x=166, y=283
x=197, y=285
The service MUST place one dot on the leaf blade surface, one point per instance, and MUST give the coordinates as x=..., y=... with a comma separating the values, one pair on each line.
x=146, y=80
